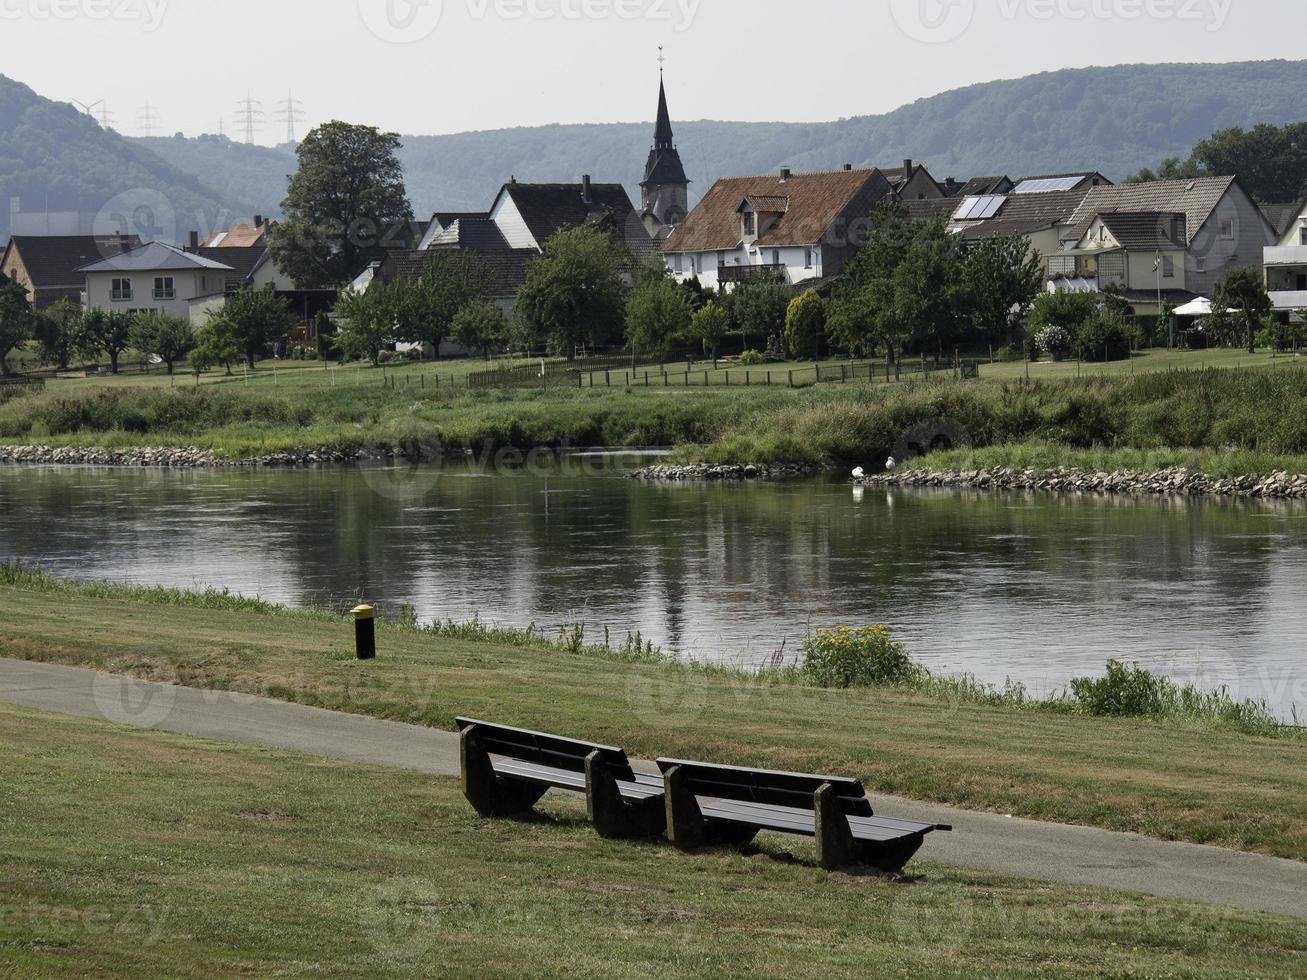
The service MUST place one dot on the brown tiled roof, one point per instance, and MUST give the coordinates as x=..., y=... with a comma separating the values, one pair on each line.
x=548, y=208
x=1146, y=229
x=1195, y=199
x=816, y=200
x=769, y=205
x=52, y=261
x=239, y=236
x=933, y=207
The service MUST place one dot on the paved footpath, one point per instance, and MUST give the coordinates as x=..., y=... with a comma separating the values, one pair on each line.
x=985, y=841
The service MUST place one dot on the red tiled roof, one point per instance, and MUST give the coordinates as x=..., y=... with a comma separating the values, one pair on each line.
x=815, y=201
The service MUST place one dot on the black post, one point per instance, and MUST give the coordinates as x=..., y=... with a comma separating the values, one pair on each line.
x=365, y=632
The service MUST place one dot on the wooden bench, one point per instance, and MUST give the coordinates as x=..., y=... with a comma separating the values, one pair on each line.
x=708, y=803
x=507, y=770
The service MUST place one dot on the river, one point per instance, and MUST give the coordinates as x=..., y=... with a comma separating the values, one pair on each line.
x=1034, y=587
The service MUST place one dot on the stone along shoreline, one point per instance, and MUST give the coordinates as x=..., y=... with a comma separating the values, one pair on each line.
x=1173, y=482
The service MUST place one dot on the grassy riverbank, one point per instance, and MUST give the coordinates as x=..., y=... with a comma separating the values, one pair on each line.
x=1235, y=420
x=1166, y=779
x=132, y=853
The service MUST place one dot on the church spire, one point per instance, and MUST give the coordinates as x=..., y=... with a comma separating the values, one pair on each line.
x=663, y=139
x=665, y=188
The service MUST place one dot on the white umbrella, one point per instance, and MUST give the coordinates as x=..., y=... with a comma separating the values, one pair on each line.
x=1199, y=307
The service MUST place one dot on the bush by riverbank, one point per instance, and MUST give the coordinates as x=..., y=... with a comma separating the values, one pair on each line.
x=1234, y=423
x=940, y=739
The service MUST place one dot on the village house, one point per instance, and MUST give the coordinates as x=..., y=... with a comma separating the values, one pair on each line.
x=1286, y=264
x=48, y=264
x=152, y=278
x=1141, y=253
x=799, y=228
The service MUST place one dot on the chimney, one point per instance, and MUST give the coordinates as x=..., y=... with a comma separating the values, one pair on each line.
x=585, y=188
x=907, y=167
x=193, y=244
x=786, y=174
x=848, y=167
x=258, y=221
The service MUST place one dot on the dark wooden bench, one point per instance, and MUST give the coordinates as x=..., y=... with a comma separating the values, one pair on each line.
x=507, y=770
x=708, y=803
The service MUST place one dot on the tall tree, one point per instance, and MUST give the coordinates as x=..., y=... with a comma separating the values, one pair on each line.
x=344, y=201
x=709, y=325
x=16, y=319
x=1242, y=299
x=573, y=295
x=168, y=337
x=58, y=330
x=479, y=326
x=760, y=309
x=366, y=321
x=215, y=343
x=259, y=318
x=425, y=307
x=804, y=321
x=658, y=311
x=108, y=332
x=1271, y=161
x=1001, y=277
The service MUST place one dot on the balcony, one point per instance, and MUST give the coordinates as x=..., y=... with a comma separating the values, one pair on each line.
x=750, y=273
x=1278, y=255
x=165, y=294
x=1289, y=299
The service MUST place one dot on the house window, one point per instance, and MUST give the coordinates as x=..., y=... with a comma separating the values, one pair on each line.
x=1168, y=267
x=121, y=290
x=1227, y=228
x=676, y=264
x=1302, y=235
x=164, y=288
x=750, y=223
x=776, y=256
x=1200, y=265
x=807, y=258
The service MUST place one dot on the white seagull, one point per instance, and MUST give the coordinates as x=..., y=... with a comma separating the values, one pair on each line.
x=891, y=464
x=859, y=473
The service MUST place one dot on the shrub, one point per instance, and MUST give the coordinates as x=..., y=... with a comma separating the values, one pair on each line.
x=804, y=320
x=867, y=657
x=1105, y=337
x=1054, y=341
x=1127, y=691
x=1008, y=355
x=751, y=358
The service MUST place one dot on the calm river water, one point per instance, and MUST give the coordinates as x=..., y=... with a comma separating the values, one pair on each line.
x=1037, y=588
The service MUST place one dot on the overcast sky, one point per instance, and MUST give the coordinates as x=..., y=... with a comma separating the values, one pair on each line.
x=442, y=66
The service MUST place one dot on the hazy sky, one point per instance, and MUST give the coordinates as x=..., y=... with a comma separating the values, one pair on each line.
x=441, y=66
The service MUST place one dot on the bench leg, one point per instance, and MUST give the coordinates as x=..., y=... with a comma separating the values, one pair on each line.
x=686, y=827
x=613, y=816
x=892, y=858
x=836, y=847
x=490, y=795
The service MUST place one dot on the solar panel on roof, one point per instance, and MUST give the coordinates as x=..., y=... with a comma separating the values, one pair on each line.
x=965, y=208
x=979, y=208
x=989, y=206
x=1047, y=185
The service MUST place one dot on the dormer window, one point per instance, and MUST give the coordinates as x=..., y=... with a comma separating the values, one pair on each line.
x=750, y=224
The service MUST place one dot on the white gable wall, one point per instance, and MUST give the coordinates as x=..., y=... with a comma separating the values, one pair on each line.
x=511, y=223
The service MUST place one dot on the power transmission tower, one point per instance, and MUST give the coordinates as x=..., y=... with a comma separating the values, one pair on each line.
x=290, y=112
x=250, y=111
x=106, y=117
x=147, y=119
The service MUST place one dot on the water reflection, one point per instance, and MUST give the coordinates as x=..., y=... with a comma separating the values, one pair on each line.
x=1029, y=586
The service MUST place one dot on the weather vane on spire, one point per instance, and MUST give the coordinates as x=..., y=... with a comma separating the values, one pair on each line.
x=661, y=59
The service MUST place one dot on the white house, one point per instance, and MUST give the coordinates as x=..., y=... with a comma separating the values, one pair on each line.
x=152, y=278
x=1142, y=253
x=797, y=227
x=1286, y=265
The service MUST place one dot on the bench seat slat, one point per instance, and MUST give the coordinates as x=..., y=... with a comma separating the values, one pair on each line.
x=803, y=822
x=565, y=779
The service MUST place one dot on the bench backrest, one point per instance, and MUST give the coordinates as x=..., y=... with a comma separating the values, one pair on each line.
x=792, y=789
x=545, y=750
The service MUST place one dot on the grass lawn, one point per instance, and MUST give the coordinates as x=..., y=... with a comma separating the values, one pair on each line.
x=1171, y=781
x=129, y=853
x=1143, y=362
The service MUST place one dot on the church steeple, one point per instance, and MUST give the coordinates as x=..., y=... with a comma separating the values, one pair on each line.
x=665, y=190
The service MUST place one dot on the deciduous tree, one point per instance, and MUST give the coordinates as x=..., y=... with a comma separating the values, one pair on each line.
x=573, y=295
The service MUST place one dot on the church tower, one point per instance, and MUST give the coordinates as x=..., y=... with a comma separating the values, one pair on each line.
x=665, y=190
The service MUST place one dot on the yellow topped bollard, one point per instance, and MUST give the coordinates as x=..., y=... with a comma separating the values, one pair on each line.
x=365, y=632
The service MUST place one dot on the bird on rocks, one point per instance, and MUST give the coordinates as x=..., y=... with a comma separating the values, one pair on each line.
x=891, y=464
x=859, y=473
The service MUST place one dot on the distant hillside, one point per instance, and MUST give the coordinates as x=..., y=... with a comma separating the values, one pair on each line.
x=1117, y=120
x=54, y=158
